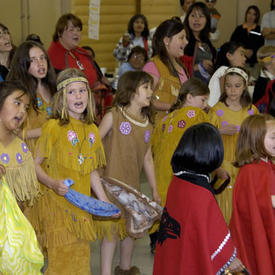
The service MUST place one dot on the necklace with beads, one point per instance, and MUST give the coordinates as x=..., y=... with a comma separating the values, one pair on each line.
x=140, y=124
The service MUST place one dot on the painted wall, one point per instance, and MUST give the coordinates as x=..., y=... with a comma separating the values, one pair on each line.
x=42, y=16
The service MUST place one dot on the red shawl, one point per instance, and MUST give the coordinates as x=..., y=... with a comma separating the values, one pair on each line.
x=193, y=237
x=62, y=59
x=253, y=220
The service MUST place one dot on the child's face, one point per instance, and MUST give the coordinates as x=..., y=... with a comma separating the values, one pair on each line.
x=143, y=95
x=5, y=41
x=187, y=4
x=38, y=63
x=77, y=99
x=138, y=25
x=234, y=87
x=269, y=140
x=237, y=59
x=210, y=3
x=137, y=61
x=176, y=44
x=197, y=20
x=199, y=101
x=14, y=110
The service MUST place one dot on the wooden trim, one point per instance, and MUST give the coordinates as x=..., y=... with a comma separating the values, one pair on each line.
x=138, y=6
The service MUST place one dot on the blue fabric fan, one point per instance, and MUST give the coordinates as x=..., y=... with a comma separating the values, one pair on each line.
x=89, y=204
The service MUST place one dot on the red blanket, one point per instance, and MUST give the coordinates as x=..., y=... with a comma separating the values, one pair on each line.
x=253, y=220
x=193, y=237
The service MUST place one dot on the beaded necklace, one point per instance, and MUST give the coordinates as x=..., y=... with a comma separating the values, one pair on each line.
x=75, y=141
x=140, y=124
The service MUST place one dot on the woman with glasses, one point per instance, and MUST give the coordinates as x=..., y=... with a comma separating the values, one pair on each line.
x=7, y=50
x=64, y=52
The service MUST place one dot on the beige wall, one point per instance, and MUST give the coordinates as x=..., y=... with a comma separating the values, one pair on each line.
x=43, y=15
x=232, y=12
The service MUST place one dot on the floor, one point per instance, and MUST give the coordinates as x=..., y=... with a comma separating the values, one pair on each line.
x=142, y=257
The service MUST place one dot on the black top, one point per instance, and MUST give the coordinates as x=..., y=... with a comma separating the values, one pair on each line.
x=250, y=40
x=3, y=71
x=259, y=89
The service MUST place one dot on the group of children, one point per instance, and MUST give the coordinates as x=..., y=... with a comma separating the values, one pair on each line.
x=67, y=144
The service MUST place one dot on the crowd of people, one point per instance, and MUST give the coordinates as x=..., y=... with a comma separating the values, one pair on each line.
x=73, y=147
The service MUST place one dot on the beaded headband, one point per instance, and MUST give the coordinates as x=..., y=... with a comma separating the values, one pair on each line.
x=266, y=59
x=237, y=71
x=68, y=81
x=62, y=88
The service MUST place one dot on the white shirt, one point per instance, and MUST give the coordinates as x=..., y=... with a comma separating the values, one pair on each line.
x=268, y=21
x=214, y=86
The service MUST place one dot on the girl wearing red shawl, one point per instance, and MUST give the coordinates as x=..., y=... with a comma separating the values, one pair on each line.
x=193, y=236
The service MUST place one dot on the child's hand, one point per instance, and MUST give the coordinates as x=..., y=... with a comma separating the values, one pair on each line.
x=273, y=201
x=126, y=39
x=208, y=65
x=59, y=187
x=229, y=130
x=236, y=266
x=156, y=197
x=222, y=173
x=2, y=171
x=116, y=216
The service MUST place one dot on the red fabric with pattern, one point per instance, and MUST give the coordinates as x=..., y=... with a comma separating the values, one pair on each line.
x=202, y=232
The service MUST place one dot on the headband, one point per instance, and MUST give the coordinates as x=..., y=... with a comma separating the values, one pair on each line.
x=266, y=59
x=237, y=71
x=62, y=88
x=68, y=81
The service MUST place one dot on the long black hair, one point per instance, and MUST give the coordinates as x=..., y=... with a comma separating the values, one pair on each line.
x=204, y=33
x=200, y=150
x=145, y=32
x=227, y=47
x=20, y=71
x=167, y=28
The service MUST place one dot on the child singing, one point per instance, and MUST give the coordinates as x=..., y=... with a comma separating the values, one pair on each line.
x=69, y=147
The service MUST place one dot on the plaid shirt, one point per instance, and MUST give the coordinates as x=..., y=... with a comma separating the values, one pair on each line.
x=121, y=53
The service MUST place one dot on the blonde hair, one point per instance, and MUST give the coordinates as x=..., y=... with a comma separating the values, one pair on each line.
x=59, y=105
x=264, y=55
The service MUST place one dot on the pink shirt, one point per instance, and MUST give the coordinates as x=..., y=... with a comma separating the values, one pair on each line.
x=151, y=68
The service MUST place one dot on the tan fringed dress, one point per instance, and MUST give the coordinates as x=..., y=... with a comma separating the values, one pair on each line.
x=71, y=151
x=125, y=147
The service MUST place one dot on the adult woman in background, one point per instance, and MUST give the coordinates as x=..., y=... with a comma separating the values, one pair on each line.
x=64, y=52
x=249, y=34
x=199, y=54
x=137, y=35
x=7, y=50
x=166, y=68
